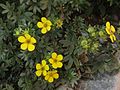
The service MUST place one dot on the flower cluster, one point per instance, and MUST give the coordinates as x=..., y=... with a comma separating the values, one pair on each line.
x=48, y=68
x=110, y=30
x=85, y=43
x=28, y=41
x=45, y=24
x=42, y=69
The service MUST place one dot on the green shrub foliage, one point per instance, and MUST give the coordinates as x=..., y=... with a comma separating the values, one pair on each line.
x=78, y=33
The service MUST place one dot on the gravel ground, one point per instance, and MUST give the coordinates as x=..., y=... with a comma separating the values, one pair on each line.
x=106, y=83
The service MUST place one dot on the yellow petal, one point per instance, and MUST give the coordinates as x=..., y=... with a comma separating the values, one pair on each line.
x=50, y=79
x=49, y=23
x=112, y=29
x=24, y=46
x=32, y=40
x=31, y=47
x=38, y=73
x=27, y=36
x=46, y=67
x=114, y=37
x=54, y=55
x=21, y=39
x=49, y=72
x=56, y=76
x=43, y=62
x=54, y=71
x=59, y=57
x=51, y=60
x=46, y=77
x=40, y=24
x=43, y=19
x=111, y=37
x=108, y=25
x=44, y=73
x=43, y=31
x=48, y=28
x=108, y=31
x=59, y=64
x=54, y=65
x=38, y=66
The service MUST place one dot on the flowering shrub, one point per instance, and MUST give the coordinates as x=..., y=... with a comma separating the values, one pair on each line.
x=48, y=43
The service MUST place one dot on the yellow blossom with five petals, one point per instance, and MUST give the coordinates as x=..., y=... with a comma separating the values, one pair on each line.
x=45, y=24
x=59, y=23
x=41, y=68
x=110, y=30
x=27, y=42
x=55, y=60
x=51, y=75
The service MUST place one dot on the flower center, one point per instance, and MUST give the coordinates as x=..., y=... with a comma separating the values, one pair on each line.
x=45, y=24
x=58, y=23
x=42, y=68
x=51, y=74
x=55, y=60
x=111, y=32
x=28, y=41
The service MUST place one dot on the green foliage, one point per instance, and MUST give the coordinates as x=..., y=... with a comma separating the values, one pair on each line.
x=84, y=44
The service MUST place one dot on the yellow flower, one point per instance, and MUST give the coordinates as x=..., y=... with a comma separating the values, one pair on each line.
x=110, y=30
x=51, y=75
x=56, y=60
x=41, y=68
x=59, y=23
x=45, y=25
x=27, y=42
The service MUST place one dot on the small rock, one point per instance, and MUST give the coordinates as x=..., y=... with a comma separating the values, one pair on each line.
x=64, y=87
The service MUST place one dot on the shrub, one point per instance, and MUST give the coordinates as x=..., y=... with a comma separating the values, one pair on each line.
x=48, y=43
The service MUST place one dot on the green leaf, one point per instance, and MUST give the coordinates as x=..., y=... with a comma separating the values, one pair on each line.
x=28, y=14
x=21, y=1
x=34, y=0
x=44, y=4
x=70, y=63
x=9, y=14
x=3, y=6
x=76, y=62
x=8, y=87
x=8, y=4
x=65, y=43
x=22, y=74
x=5, y=11
x=20, y=82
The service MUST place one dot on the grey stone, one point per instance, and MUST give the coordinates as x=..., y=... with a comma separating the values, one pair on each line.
x=64, y=87
x=100, y=83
